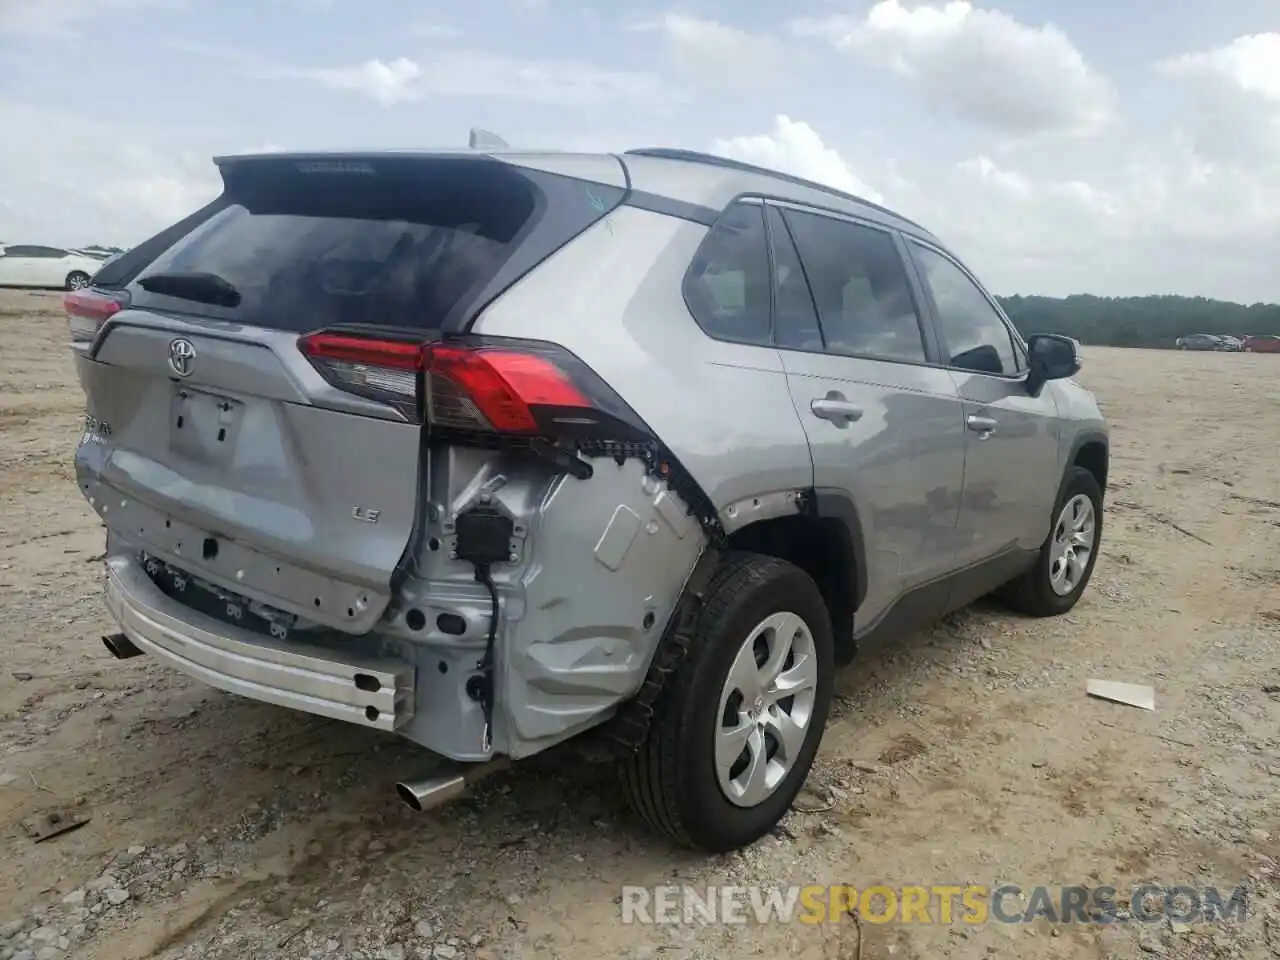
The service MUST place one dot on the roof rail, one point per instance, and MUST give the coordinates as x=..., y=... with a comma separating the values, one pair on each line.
x=711, y=160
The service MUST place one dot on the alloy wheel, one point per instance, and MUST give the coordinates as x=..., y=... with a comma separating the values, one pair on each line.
x=766, y=705
x=1073, y=544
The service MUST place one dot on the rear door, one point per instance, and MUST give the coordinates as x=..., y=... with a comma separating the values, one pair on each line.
x=884, y=424
x=218, y=447
x=1011, y=456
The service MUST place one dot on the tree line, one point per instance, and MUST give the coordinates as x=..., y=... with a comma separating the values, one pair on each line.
x=1153, y=321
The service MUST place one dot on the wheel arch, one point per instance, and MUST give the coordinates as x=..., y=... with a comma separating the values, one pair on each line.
x=822, y=534
x=1091, y=449
x=825, y=539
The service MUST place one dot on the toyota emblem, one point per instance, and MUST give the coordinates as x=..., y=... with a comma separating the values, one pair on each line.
x=182, y=353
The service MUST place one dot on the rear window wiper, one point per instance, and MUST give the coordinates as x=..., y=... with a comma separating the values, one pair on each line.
x=200, y=287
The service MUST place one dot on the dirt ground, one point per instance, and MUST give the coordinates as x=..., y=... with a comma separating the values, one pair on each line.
x=969, y=754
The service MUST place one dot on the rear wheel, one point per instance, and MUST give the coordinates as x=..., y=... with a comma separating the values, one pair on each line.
x=734, y=735
x=77, y=280
x=1061, y=572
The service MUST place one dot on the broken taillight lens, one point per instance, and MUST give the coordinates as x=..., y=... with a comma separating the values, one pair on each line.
x=478, y=385
x=87, y=310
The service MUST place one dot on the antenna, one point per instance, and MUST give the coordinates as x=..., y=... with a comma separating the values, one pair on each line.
x=484, y=140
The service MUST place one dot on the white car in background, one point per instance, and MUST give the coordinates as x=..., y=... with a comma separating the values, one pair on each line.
x=27, y=265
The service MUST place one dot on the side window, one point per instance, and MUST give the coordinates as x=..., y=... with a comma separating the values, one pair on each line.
x=859, y=286
x=23, y=251
x=795, y=320
x=975, y=337
x=727, y=286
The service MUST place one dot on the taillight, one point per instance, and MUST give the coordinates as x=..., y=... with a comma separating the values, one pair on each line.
x=478, y=386
x=494, y=389
x=87, y=310
x=383, y=370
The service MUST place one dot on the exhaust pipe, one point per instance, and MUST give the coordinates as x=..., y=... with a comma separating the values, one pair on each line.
x=121, y=647
x=429, y=792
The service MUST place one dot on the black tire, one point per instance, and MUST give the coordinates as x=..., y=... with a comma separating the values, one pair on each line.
x=77, y=280
x=1032, y=593
x=672, y=781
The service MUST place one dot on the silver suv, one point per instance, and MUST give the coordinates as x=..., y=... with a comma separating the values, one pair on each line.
x=495, y=450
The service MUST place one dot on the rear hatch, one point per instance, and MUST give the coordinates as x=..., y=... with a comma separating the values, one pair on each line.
x=242, y=425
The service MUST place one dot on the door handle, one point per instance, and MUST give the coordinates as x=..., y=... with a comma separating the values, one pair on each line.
x=983, y=426
x=835, y=408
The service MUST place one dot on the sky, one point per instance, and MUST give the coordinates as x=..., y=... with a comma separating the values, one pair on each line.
x=1058, y=146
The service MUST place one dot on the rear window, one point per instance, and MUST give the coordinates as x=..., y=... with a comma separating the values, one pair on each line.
x=406, y=242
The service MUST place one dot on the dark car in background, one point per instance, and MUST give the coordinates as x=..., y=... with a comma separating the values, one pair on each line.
x=1200, y=341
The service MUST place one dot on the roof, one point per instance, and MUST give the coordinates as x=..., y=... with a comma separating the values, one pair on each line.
x=693, y=156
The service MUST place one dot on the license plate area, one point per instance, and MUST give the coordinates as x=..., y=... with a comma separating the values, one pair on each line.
x=204, y=426
x=213, y=601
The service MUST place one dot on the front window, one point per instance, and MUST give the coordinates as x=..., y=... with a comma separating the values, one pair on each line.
x=974, y=335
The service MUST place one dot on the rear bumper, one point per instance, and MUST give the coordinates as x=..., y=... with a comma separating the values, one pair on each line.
x=304, y=677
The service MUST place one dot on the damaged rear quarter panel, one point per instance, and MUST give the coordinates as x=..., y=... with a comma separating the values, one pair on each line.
x=596, y=568
x=611, y=549
x=608, y=559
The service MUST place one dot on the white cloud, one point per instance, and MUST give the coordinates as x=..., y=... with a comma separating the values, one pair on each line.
x=96, y=183
x=261, y=147
x=1159, y=219
x=982, y=64
x=1008, y=180
x=1251, y=63
x=435, y=31
x=1235, y=98
x=1162, y=221
x=61, y=18
x=156, y=200
x=720, y=56
x=555, y=82
x=794, y=147
x=387, y=83
x=467, y=73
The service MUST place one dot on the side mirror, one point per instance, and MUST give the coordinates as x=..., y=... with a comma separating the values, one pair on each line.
x=981, y=359
x=1052, y=357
